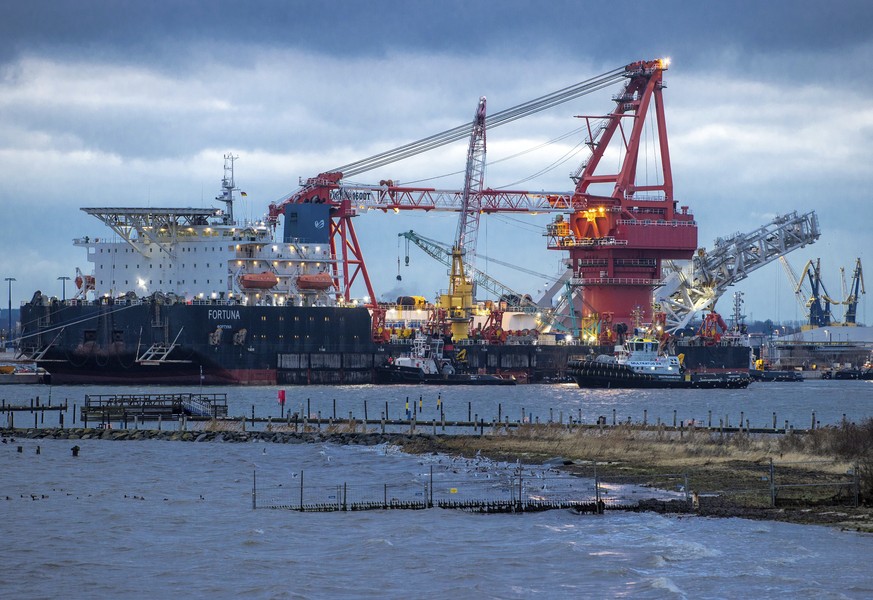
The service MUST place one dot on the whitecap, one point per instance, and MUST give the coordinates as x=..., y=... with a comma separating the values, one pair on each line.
x=664, y=583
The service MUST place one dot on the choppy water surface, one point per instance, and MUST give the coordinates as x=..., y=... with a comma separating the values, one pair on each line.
x=159, y=519
x=827, y=401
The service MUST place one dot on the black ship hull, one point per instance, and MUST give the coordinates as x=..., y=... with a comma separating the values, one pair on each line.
x=150, y=342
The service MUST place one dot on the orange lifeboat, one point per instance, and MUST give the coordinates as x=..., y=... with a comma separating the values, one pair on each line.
x=258, y=281
x=317, y=281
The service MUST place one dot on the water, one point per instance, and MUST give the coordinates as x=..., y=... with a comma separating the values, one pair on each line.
x=153, y=518
x=157, y=518
x=792, y=402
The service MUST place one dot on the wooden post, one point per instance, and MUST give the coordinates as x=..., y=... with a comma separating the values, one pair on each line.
x=645, y=417
x=365, y=411
x=709, y=422
x=469, y=411
x=613, y=417
x=857, y=482
x=674, y=418
x=774, y=420
x=254, y=489
x=812, y=426
x=334, y=409
x=383, y=423
x=772, y=485
x=301, y=490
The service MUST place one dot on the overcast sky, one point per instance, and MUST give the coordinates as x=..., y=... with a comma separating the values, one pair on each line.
x=111, y=103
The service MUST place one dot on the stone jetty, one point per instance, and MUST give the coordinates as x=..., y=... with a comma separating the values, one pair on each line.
x=276, y=437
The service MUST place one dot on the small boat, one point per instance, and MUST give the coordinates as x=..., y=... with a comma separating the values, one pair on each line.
x=316, y=281
x=23, y=372
x=258, y=281
x=641, y=363
x=426, y=364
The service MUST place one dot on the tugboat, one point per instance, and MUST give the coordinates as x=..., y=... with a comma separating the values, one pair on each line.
x=763, y=372
x=640, y=363
x=426, y=364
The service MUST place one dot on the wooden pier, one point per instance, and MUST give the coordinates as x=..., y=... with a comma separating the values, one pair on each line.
x=146, y=407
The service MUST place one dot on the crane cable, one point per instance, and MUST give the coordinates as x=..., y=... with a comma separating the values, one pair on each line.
x=500, y=118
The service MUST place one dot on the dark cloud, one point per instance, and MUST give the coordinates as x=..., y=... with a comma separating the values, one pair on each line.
x=157, y=31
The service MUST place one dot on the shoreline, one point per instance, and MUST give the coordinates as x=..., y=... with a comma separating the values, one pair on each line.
x=715, y=477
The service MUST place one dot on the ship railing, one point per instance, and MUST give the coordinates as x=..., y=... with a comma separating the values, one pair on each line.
x=614, y=281
x=658, y=222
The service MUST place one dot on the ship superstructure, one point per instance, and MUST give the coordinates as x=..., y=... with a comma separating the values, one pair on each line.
x=204, y=254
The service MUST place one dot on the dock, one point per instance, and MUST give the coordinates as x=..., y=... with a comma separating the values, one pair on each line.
x=146, y=407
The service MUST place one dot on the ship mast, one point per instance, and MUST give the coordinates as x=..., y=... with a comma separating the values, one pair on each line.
x=227, y=189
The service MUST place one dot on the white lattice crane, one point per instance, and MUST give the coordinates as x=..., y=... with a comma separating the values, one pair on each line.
x=698, y=285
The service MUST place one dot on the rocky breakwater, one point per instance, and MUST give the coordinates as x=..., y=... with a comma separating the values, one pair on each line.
x=276, y=437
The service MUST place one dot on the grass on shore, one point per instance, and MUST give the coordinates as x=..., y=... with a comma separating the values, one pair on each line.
x=734, y=466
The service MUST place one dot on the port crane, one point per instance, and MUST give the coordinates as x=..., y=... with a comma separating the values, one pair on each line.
x=816, y=303
x=458, y=302
x=851, y=296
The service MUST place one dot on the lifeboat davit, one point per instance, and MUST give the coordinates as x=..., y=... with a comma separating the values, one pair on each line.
x=258, y=281
x=317, y=281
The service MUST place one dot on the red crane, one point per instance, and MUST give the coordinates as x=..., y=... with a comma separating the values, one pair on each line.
x=616, y=240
